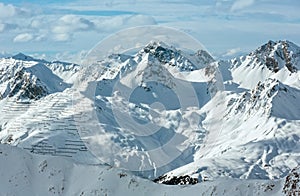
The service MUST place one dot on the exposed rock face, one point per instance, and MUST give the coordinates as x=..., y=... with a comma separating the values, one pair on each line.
x=27, y=85
x=276, y=55
x=292, y=183
x=176, y=58
x=26, y=78
x=180, y=180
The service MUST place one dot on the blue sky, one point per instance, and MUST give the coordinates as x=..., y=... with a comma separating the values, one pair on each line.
x=66, y=30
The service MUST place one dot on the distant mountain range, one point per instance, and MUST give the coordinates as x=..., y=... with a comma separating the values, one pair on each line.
x=163, y=114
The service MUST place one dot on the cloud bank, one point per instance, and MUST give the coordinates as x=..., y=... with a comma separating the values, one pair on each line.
x=241, y=4
x=24, y=37
x=72, y=26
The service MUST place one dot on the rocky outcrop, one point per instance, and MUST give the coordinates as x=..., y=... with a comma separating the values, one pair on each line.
x=292, y=183
x=180, y=180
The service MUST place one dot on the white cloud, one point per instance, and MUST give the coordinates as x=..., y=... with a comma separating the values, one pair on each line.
x=67, y=25
x=76, y=22
x=2, y=27
x=24, y=37
x=61, y=29
x=241, y=4
x=73, y=57
x=139, y=20
x=90, y=21
x=68, y=28
x=41, y=37
x=39, y=55
x=36, y=23
x=232, y=52
x=61, y=37
x=7, y=11
x=109, y=24
x=4, y=54
x=6, y=27
x=112, y=24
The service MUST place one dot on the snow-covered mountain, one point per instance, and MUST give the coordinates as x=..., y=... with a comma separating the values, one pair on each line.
x=127, y=96
x=23, y=77
x=23, y=173
x=258, y=135
x=279, y=60
x=167, y=115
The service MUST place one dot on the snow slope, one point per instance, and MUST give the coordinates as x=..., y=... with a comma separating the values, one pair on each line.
x=258, y=136
x=158, y=113
x=279, y=60
x=45, y=175
x=36, y=107
x=148, y=110
x=23, y=77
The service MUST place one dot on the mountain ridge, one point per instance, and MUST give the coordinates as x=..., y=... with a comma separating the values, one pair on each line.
x=246, y=130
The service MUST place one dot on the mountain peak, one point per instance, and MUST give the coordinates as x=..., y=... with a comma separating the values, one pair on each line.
x=278, y=54
x=183, y=60
x=275, y=45
x=158, y=48
x=156, y=44
x=21, y=56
